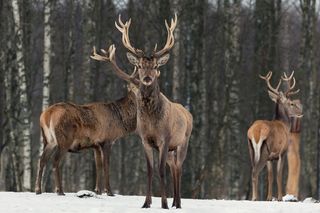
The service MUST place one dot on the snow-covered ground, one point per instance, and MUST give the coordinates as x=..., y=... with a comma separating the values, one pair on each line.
x=50, y=202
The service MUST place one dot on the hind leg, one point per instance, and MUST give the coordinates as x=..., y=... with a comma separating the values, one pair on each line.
x=56, y=170
x=171, y=161
x=181, y=155
x=48, y=149
x=279, y=176
x=270, y=180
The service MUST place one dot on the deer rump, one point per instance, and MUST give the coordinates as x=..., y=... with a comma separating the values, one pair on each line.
x=267, y=140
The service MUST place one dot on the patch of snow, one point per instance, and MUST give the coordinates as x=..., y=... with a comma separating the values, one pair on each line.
x=290, y=198
x=85, y=194
x=27, y=202
x=310, y=200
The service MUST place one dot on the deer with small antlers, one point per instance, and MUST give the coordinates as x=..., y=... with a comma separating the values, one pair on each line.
x=268, y=140
x=161, y=124
x=70, y=127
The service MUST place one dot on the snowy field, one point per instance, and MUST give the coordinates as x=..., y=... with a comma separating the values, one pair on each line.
x=49, y=202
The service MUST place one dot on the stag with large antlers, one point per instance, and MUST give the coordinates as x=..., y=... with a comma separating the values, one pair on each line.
x=293, y=154
x=269, y=140
x=69, y=127
x=161, y=124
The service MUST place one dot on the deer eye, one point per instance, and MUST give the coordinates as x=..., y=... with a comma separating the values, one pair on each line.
x=139, y=66
x=155, y=66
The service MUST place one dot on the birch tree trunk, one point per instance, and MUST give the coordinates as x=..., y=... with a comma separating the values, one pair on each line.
x=46, y=61
x=46, y=55
x=24, y=113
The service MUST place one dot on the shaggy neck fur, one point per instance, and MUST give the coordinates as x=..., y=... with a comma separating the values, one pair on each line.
x=150, y=102
x=126, y=111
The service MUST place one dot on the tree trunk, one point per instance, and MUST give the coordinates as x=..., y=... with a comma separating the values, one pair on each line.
x=24, y=113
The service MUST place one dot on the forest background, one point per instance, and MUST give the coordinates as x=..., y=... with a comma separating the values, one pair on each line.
x=221, y=47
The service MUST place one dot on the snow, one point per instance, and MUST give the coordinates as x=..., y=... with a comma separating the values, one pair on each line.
x=85, y=194
x=49, y=202
x=289, y=198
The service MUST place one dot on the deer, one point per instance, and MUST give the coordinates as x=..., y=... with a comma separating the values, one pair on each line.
x=293, y=153
x=161, y=124
x=268, y=141
x=67, y=127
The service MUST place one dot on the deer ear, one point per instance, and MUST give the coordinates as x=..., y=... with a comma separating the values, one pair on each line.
x=132, y=59
x=273, y=96
x=163, y=59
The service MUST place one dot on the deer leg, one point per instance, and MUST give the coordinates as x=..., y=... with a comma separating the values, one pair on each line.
x=270, y=180
x=98, y=162
x=294, y=163
x=171, y=162
x=181, y=155
x=255, y=179
x=163, y=153
x=149, y=156
x=279, y=176
x=106, y=157
x=56, y=170
x=45, y=156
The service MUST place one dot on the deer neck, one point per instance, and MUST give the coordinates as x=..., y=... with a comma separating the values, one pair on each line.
x=295, y=125
x=149, y=101
x=281, y=114
x=126, y=110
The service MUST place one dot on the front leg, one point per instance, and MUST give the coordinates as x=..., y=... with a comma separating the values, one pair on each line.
x=163, y=153
x=106, y=148
x=149, y=157
x=98, y=162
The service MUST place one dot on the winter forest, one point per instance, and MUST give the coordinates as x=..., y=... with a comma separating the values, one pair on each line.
x=221, y=47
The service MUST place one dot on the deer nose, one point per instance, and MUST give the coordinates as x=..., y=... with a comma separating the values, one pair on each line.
x=147, y=79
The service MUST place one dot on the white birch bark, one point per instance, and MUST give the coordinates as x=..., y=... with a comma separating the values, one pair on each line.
x=46, y=62
x=24, y=114
x=46, y=54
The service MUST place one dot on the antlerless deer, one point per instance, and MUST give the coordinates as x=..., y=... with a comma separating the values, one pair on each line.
x=161, y=124
x=69, y=127
x=268, y=140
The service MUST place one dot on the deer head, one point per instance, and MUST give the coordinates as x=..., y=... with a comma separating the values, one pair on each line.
x=292, y=108
x=147, y=67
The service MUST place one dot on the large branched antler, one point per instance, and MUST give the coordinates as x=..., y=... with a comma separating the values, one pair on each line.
x=124, y=29
x=170, y=37
x=267, y=79
x=291, y=84
x=110, y=56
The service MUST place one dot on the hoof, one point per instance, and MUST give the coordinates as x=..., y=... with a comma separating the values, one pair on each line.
x=110, y=194
x=145, y=206
x=38, y=191
x=164, y=205
x=60, y=194
x=98, y=192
